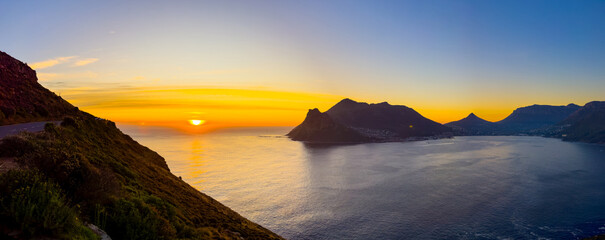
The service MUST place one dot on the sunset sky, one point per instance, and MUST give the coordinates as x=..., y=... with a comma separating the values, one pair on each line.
x=251, y=63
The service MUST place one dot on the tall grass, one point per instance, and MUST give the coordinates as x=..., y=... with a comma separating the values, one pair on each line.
x=37, y=207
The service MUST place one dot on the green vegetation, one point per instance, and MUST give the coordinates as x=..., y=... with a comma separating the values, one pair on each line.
x=87, y=171
x=37, y=206
x=107, y=179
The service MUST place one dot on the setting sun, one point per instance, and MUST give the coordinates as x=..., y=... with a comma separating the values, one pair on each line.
x=196, y=122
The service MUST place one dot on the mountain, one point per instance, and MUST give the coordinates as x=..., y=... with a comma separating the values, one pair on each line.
x=473, y=125
x=86, y=170
x=351, y=121
x=320, y=127
x=22, y=99
x=586, y=124
x=526, y=120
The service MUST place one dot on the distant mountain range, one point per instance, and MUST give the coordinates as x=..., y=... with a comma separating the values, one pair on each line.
x=530, y=120
x=351, y=121
x=571, y=123
x=527, y=120
x=472, y=125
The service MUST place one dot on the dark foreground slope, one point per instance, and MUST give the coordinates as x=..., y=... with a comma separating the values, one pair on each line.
x=585, y=125
x=351, y=121
x=87, y=171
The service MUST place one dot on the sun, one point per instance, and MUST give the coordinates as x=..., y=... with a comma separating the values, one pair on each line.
x=196, y=122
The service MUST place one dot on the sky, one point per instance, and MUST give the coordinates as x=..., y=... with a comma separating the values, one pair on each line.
x=265, y=63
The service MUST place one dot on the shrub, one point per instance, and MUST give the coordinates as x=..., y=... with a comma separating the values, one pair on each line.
x=38, y=207
x=134, y=219
x=15, y=146
x=69, y=122
x=50, y=127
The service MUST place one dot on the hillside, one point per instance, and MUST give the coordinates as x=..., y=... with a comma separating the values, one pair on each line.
x=526, y=120
x=586, y=125
x=87, y=171
x=23, y=99
x=351, y=121
x=320, y=127
x=531, y=120
x=473, y=125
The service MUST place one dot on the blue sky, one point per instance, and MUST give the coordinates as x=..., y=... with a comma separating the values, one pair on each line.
x=446, y=58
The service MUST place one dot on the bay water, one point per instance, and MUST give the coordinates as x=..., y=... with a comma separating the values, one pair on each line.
x=484, y=187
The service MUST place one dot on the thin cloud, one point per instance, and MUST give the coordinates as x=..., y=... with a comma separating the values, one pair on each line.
x=85, y=62
x=225, y=72
x=50, y=62
x=48, y=76
x=42, y=76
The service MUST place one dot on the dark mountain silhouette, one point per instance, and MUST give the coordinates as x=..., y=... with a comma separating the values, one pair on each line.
x=586, y=124
x=472, y=125
x=526, y=120
x=117, y=184
x=530, y=120
x=23, y=99
x=351, y=121
x=319, y=127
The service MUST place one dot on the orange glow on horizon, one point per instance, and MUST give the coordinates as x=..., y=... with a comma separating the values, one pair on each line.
x=219, y=108
x=225, y=108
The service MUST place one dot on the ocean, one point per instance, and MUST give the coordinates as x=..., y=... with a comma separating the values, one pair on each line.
x=492, y=187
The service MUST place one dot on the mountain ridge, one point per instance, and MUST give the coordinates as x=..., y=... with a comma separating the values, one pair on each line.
x=529, y=120
x=525, y=120
x=472, y=125
x=363, y=122
x=587, y=124
x=38, y=104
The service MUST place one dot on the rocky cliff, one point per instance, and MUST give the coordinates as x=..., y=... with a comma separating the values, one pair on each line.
x=23, y=99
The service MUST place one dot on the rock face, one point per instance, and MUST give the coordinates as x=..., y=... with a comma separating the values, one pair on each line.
x=533, y=118
x=472, y=125
x=23, y=99
x=586, y=125
x=351, y=121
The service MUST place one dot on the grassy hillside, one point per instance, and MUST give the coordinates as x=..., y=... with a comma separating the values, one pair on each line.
x=115, y=183
x=88, y=171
